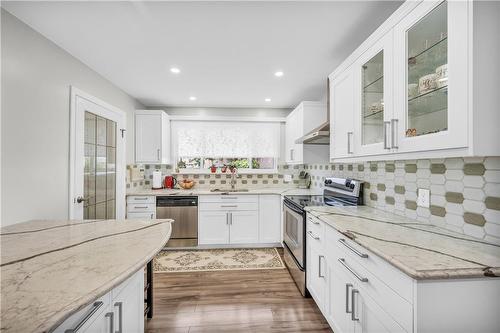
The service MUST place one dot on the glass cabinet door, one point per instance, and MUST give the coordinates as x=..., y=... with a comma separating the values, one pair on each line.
x=372, y=116
x=427, y=74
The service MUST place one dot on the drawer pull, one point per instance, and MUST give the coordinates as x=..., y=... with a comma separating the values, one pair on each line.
x=353, y=313
x=347, y=287
x=96, y=306
x=313, y=222
x=229, y=206
x=136, y=199
x=343, y=242
x=231, y=198
x=141, y=207
x=111, y=316
x=359, y=277
x=312, y=235
x=320, y=273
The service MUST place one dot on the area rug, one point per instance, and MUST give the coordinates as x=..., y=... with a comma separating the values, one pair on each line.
x=217, y=260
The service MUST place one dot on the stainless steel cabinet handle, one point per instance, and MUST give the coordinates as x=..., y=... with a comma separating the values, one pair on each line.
x=320, y=274
x=135, y=199
x=353, y=302
x=158, y=154
x=347, y=286
x=312, y=235
x=111, y=316
x=386, y=145
x=227, y=218
x=359, y=277
x=96, y=306
x=152, y=216
x=291, y=154
x=120, y=316
x=230, y=218
x=228, y=206
x=225, y=197
x=343, y=242
x=349, y=134
x=314, y=222
x=394, y=133
x=141, y=207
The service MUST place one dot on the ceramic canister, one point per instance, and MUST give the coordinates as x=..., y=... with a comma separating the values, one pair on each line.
x=442, y=76
x=426, y=83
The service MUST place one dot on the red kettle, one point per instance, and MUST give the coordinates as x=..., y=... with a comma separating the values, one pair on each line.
x=170, y=182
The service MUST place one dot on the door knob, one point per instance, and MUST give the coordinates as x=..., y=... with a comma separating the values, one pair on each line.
x=80, y=199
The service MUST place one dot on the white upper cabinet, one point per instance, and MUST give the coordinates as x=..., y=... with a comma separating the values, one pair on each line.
x=417, y=93
x=342, y=115
x=152, y=137
x=303, y=119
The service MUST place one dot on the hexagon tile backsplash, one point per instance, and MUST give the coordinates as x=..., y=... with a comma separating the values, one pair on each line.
x=465, y=192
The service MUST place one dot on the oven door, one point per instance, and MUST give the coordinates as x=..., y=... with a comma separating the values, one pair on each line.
x=293, y=232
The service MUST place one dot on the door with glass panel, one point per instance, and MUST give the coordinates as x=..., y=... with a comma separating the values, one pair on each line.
x=98, y=181
x=374, y=102
x=431, y=68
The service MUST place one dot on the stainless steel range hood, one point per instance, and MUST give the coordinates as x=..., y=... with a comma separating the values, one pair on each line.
x=321, y=134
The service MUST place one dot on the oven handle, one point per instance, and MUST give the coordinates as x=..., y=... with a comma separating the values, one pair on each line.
x=293, y=208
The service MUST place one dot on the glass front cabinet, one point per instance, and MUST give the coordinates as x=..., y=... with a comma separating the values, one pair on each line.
x=431, y=78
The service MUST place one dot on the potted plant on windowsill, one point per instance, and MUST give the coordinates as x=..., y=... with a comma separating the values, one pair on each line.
x=223, y=169
x=213, y=168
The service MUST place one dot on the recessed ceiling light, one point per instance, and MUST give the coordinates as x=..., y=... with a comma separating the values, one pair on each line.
x=278, y=74
x=267, y=100
x=192, y=98
x=175, y=70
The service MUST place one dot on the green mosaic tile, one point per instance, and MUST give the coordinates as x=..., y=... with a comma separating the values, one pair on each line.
x=223, y=181
x=361, y=167
x=373, y=196
x=390, y=200
x=244, y=181
x=492, y=203
x=201, y=182
x=381, y=187
x=455, y=197
x=373, y=167
x=218, y=176
x=438, y=168
x=285, y=167
x=265, y=181
x=254, y=182
x=437, y=210
x=349, y=167
x=276, y=181
x=196, y=176
x=321, y=167
x=473, y=218
x=326, y=167
x=410, y=204
x=212, y=182
x=399, y=189
x=260, y=176
x=341, y=167
x=390, y=167
x=333, y=167
x=474, y=169
x=270, y=176
x=410, y=168
x=147, y=166
x=366, y=185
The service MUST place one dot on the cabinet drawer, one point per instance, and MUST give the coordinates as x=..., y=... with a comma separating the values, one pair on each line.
x=228, y=206
x=141, y=207
x=229, y=198
x=315, y=231
x=143, y=199
x=401, y=283
x=141, y=215
x=399, y=309
x=86, y=316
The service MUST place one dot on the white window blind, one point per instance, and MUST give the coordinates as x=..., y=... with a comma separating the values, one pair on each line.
x=225, y=139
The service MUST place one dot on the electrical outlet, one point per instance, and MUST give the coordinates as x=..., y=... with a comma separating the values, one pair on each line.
x=423, y=199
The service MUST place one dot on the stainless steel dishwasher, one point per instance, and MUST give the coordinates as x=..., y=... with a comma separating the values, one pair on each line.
x=184, y=211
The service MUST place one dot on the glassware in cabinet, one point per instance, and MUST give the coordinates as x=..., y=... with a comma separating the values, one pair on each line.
x=373, y=99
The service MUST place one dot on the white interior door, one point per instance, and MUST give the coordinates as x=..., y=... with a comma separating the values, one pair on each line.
x=97, y=183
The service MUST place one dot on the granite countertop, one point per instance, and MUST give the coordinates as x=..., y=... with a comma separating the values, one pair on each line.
x=51, y=269
x=206, y=191
x=421, y=250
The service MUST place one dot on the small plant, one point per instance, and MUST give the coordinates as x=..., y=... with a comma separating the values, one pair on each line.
x=213, y=168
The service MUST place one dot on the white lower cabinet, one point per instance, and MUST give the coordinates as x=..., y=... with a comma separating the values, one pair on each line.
x=357, y=291
x=120, y=310
x=239, y=219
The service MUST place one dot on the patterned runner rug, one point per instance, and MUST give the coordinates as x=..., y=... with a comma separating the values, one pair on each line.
x=217, y=260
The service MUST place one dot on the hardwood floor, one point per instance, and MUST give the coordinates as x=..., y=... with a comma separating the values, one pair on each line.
x=232, y=301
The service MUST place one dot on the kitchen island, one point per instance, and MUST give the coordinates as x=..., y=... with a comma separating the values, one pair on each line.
x=52, y=269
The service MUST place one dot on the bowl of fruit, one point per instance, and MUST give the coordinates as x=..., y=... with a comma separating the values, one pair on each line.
x=186, y=183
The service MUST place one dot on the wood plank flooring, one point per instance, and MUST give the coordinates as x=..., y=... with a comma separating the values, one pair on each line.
x=232, y=301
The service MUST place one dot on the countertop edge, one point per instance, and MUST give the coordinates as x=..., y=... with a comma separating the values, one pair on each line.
x=58, y=319
x=441, y=274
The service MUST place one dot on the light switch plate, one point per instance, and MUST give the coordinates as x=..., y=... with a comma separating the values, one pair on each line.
x=423, y=199
x=287, y=178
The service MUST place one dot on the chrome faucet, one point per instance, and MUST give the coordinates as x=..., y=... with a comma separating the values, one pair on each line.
x=233, y=180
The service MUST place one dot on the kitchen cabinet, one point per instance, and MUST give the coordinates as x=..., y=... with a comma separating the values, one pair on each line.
x=303, y=119
x=394, y=97
x=120, y=310
x=243, y=227
x=141, y=207
x=213, y=227
x=357, y=291
x=270, y=218
x=152, y=137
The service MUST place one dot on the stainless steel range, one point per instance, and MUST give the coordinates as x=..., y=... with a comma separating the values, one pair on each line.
x=338, y=192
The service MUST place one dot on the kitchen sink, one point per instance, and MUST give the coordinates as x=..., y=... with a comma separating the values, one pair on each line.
x=229, y=190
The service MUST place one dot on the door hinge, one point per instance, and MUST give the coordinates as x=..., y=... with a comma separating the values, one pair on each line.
x=123, y=131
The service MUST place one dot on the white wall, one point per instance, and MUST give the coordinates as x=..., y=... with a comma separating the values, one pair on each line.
x=221, y=112
x=36, y=79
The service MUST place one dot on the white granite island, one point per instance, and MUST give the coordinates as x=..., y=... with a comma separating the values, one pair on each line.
x=52, y=269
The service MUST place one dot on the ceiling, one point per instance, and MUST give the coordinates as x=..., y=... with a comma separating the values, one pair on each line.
x=227, y=52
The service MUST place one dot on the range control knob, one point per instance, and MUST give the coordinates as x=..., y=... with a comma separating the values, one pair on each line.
x=328, y=181
x=352, y=186
x=348, y=183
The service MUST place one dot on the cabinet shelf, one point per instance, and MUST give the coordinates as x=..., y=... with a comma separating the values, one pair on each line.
x=374, y=114
x=425, y=51
x=374, y=82
x=429, y=102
